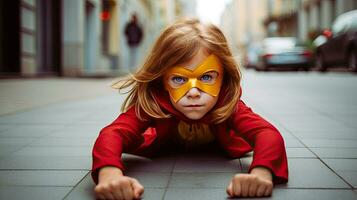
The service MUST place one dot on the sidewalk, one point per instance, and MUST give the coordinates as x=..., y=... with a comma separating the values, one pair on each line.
x=45, y=146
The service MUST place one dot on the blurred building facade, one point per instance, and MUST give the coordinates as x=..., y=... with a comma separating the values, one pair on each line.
x=77, y=38
x=242, y=23
x=304, y=19
x=246, y=22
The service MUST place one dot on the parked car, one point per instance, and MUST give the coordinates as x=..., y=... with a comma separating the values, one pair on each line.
x=284, y=52
x=252, y=55
x=338, y=47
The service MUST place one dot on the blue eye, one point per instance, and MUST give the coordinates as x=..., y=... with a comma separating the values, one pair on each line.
x=206, y=77
x=178, y=79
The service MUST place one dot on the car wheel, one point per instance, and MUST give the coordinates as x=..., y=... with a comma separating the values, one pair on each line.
x=319, y=63
x=352, y=61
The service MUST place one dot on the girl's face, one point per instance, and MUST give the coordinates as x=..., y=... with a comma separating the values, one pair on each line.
x=183, y=85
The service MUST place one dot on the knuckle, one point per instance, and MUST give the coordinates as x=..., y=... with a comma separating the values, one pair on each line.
x=255, y=178
x=98, y=189
x=270, y=185
x=125, y=182
x=106, y=188
x=236, y=177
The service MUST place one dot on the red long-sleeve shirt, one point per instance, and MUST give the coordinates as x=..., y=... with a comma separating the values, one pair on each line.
x=242, y=132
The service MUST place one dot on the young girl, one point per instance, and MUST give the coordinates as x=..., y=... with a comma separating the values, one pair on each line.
x=187, y=96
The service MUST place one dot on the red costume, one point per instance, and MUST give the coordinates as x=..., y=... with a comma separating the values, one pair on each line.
x=244, y=131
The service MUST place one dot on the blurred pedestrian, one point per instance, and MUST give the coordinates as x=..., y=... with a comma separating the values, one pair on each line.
x=134, y=35
x=186, y=97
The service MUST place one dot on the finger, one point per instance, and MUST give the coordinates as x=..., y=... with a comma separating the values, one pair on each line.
x=230, y=189
x=109, y=196
x=105, y=192
x=117, y=193
x=268, y=191
x=261, y=190
x=237, y=187
x=245, y=187
x=253, y=189
x=98, y=193
x=138, y=189
x=99, y=196
x=127, y=192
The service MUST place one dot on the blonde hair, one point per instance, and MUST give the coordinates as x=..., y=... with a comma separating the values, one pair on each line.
x=178, y=44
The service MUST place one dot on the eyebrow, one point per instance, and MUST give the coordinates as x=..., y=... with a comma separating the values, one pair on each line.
x=201, y=63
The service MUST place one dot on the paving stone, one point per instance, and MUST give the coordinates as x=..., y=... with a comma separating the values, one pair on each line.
x=4, y=127
x=79, y=142
x=38, y=193
x=299, y=153
x=46, y=162
x=8, y=149
x=197, y=193
x=137, y=163
x=29, y=131
x=342, y=134
x=348, y=118
x=16, y=141
x=200, y=180
x=206, y=163
x=292, y=142
x=335, y=152
x=309, y=194
x=337, y=143
x=40, y=178
x=306, y=173
x=33, y=117
x=75, y=134
x=150, y=179
x=347, y=168
x=54, y=151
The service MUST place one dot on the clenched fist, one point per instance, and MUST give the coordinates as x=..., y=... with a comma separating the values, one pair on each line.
x=113, y=185
x=256, y=184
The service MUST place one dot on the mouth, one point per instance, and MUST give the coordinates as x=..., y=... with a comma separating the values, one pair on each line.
x=193, y=106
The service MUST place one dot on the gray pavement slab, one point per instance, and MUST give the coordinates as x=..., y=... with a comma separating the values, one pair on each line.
x=200, y=180
x=142, y=164
x=206, y=163
x=65, y=178
x=6, y=149
x=331, y=143
x=38, y=193
x=335, y=152
x=195, y=193
x=54, y=151
x=292, y=142
x=151, y=179
x=346, y=168
x=299, y=153
x=30, y=131
x=307, y=173
x=309, y=194
x=46, y=162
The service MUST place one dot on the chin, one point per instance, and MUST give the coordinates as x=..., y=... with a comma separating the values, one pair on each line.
x=194, y=116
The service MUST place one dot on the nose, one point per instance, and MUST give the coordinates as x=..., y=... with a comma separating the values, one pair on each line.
x=193, y=93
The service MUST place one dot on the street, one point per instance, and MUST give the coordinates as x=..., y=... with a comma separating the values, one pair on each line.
x=45, y=145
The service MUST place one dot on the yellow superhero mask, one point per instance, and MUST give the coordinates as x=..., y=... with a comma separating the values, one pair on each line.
x=194, y=78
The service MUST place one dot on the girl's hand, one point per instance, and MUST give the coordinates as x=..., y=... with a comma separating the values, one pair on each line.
x=114, y=185
x=256, y=184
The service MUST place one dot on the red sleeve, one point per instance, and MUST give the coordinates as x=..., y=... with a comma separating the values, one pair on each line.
x=123, y=134
x=268, y=144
